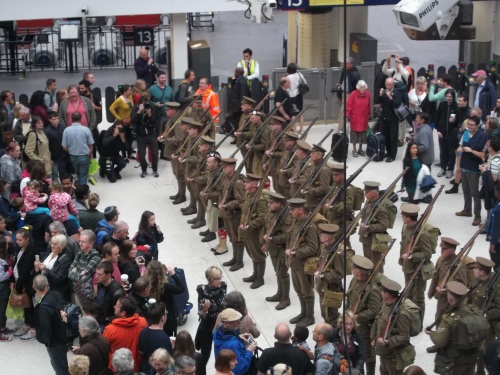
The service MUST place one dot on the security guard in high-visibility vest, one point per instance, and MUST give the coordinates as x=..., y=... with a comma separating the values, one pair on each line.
x=250, y=66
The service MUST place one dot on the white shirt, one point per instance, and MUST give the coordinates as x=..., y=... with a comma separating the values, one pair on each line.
x=295, y=79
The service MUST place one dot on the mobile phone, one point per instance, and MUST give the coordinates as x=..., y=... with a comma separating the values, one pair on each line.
x=250, y=340
x=393, y=56
x=37, y=258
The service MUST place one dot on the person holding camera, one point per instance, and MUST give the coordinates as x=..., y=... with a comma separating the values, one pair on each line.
x=113, y=141
x=144, y=119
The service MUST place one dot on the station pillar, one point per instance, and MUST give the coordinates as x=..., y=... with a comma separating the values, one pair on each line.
x=178, y=46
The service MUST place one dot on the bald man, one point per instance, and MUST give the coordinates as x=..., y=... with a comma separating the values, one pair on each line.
x=145, y=68
x=390, y=99
x=284, y=352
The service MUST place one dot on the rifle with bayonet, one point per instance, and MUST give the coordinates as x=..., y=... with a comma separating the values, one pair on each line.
x=281, y=134
x=201, y=163
x=312, y=177
x=261, y=103
x=396, y=309
x=347, y=183
x=176, y=120
x=235, y=177
x=378, y=204
x=490, y=290
x=248, y=213
x=459, y=259
x=419, y=227
x=355, y=307
x=303, y=162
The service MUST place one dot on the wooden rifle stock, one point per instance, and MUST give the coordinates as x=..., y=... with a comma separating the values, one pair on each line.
x=202, y=133
x=391, y=320
x=281, y=134
x=313, y=175
x=271, y=231
x=455, y=265
x=410, y=246
x=203, y=161
x=355, y=307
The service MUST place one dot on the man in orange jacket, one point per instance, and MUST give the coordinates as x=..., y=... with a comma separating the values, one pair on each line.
x=123, y=332
x=210, y=99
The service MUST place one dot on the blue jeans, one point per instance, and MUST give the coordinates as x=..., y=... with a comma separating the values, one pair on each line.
x=81, y=166
x=58, y=168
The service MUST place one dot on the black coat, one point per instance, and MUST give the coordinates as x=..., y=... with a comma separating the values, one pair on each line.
x=25, y=267
x=111, y=294
x=111, y=145
x=444, y=113
x=169, y=289
x=355, y=341
x=58, y=275
x=389, y=105
x=352, y=78
x=239, y=90
x=50, y=329
x=129, y=268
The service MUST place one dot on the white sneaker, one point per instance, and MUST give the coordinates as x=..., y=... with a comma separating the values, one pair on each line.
x=441, y=173
x=21, y=332
x=28, y=337
x=449, y=174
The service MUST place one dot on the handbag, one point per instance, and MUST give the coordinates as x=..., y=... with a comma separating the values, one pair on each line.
x=13, y=312
x=303, y=88
x=20, y=300
x=402, y=112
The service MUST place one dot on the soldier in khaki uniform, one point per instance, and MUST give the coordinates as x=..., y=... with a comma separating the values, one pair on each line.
x=173, y=142
x=287, y=163
x=243, y=133
x=364, y=301
x=483, y=276
x=188, y=159
x=275, y=245
x=259, y=142
x=205, y=145
x=212, y=185
x=448, y=247
x=232, y=195
x=274, y=150
x=422, y=249
x=303, y=152
x=395, y=351
x=333, y=274
x=296, y=254
x=449, y=359
x=335, y=212
x=253, y=208
x=318, y=187
x=377, y=225
x=201, y=115
x=171, y=110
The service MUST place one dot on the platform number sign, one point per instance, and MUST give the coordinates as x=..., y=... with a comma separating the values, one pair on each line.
x=293, y=4
x=144, y=36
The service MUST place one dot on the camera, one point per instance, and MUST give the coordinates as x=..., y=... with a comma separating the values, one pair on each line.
x=420, y=15
x=147, y=105
x=393, y=56
x=121, y=129
x=272, y=3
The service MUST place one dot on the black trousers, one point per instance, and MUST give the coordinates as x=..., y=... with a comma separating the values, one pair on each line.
x=390, y=130
x=143, y=141
x=58, y=359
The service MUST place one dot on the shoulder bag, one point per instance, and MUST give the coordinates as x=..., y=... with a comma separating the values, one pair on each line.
x=303, y=88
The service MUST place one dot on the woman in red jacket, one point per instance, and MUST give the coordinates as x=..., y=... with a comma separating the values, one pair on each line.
x=358, y=111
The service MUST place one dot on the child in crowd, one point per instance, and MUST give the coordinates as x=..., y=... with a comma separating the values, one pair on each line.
x=300, y=335
x=61, y=205
x=33, y=198
x=17, y=205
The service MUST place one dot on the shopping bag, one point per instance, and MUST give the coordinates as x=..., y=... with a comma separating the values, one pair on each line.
x=14, y=312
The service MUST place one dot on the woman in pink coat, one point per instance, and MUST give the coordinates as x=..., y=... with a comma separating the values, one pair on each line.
x=358, y=111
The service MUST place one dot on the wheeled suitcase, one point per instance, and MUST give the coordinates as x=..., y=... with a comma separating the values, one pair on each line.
x=181, y=301
x=340, y=153
x=376, y=146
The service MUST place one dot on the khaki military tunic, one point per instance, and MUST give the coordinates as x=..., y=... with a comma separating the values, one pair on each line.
x=306, y=247
x=299, y=175
x=318, y=187
x=232, y=213
x=422, y=251
x=244, y=136
x=203, y=117
x=260, y=144
x=251, y=236
x=331, y=280
x=368, y=306
x=399, y=353
x=378, y=224
x=442, y=268
x=449, y=359
x=287, y=165
x=277, y=245
x=172, y=144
